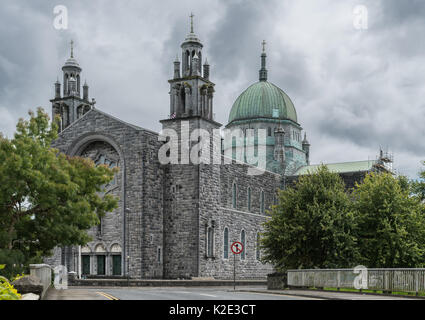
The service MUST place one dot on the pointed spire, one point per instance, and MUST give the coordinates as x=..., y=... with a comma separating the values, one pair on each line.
x=305, y=141
x=263, y=70
x=206, y=69
x=177, y=67
x=85, y=90
x=57, y=88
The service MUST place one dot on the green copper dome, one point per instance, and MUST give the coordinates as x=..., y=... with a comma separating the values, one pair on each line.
x=260, y=100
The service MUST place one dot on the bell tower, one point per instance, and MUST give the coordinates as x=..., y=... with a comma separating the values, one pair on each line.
x=191, y=91
x=189, y=168
x=70, y=106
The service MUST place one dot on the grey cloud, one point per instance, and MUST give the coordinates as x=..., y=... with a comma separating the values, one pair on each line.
x=352, y=90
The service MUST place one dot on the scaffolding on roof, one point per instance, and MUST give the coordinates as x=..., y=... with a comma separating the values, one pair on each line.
x=384, y=161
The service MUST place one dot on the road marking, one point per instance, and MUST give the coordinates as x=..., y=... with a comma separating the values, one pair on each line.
x=208, y=295
x=106, y=295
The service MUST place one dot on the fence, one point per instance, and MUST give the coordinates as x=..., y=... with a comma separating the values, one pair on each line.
x=387, y=280
x=44, y=273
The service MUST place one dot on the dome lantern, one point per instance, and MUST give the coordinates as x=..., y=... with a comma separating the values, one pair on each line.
x=262, y=101
x=263, y=70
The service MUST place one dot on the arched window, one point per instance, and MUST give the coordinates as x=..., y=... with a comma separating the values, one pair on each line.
x=262, y=202
x=78, y=83
x=183, y=99
x=159, y=255
x=257, y=252
x=234, y=194
x=210, y=242
x=226, y=243
x=243, y=244
x=249, y=199
x=187, y=61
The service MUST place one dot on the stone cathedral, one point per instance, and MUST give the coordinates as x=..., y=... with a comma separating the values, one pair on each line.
x=179, y=220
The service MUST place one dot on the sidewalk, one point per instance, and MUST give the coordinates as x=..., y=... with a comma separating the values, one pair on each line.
x=332, y=295
x=73, y=294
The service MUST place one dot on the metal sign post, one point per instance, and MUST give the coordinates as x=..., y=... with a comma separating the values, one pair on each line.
x=236, y=248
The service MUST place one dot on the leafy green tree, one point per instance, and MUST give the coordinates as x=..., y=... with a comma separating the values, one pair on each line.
x=312, y=225
x=47, y=199
x=390, y=222
x=418, y=186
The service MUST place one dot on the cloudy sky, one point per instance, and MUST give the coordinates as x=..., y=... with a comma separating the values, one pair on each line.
x=355, y=90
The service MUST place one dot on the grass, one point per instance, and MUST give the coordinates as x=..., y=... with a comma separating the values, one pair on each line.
x=404, y=293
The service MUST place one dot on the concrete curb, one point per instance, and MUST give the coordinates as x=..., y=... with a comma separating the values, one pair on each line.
x=310, y=294
x=162, y=283
x=292, y=294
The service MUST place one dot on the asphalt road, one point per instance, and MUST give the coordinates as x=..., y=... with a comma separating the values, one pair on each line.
x=188, y=293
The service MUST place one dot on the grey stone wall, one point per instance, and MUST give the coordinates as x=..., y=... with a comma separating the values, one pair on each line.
x=197, y=197
x=277, y=281
x=216, y=200
x=170, y=207
x=137, y=182
x=181, y=208
x=152, y=227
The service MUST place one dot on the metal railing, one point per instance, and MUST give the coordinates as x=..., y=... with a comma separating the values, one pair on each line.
x=387, y=280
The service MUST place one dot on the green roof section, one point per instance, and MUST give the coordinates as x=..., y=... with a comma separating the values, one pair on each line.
x=366, y=165
x=260, y=100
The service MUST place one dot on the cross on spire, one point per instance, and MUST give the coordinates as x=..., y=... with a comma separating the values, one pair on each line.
x=191, y=22
x=72, y=48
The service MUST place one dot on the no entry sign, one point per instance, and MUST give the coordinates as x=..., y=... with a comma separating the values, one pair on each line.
x=236, y=247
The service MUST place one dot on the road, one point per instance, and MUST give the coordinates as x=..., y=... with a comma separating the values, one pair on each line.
x=187, y=293
x=205, y=293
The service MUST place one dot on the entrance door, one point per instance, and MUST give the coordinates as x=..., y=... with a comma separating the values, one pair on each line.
x=116, y=265
x=86, y=264
x=101, y=265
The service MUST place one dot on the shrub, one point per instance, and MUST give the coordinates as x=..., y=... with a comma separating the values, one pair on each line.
x=7, y=291
x=13, y=261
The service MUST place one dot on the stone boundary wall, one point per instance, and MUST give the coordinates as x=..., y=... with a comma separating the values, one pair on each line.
x=163, y=283
x=277, y=281
x=44, y=273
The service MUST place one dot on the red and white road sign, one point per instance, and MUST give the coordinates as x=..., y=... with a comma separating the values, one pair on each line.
x=236, y=247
